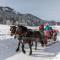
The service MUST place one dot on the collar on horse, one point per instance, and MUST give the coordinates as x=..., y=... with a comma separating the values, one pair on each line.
x=22, y=34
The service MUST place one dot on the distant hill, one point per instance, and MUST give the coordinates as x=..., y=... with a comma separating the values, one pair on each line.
x=10, y=16
x=52, y=22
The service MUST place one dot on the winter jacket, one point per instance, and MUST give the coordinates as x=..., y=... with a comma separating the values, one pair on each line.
x=48, y=27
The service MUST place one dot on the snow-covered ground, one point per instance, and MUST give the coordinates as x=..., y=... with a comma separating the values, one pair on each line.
x=8, y=45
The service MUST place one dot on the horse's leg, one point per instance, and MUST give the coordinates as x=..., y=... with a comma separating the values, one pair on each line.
x=35, y=45
x=23, y=48
x=42, y=43
x=30, y=46
x=41, y=37
x=54, y=36
x=18, y=46
x=45, y=40
x=32, y=43
x=15, y=36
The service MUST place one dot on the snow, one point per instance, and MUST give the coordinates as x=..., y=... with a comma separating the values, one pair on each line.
x=8, y=46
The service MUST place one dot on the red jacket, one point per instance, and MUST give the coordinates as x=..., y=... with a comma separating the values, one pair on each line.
x=41, y=26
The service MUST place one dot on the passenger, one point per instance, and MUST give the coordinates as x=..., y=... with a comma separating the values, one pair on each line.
x=48, y=28
x=41, y=30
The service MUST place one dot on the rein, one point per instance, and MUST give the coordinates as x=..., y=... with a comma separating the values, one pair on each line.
x=23, y=34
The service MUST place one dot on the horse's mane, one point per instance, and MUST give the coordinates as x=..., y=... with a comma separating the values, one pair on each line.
x=23, y=27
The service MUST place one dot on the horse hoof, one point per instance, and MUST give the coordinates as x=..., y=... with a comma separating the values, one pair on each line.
x=17, y=50
x=24, y=52
x=35, y=48
x=30, y=54
x=42, y=45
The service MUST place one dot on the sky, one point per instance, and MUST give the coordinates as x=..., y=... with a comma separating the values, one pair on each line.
x=44, y=9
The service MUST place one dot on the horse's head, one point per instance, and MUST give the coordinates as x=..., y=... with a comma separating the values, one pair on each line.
x=13, y=30
x=19, y=30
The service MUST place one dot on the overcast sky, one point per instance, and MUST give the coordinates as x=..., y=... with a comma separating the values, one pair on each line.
x=45, y=9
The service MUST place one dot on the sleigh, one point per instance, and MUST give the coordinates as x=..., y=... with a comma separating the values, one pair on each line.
x=50, y=36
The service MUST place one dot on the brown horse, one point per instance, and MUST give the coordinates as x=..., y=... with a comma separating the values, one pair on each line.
x=27, y=36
